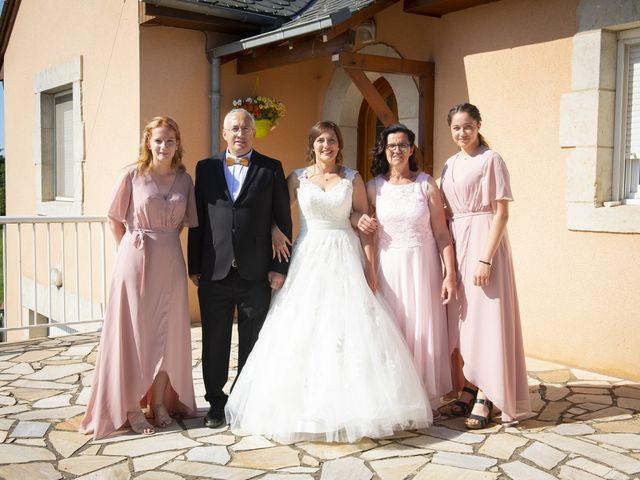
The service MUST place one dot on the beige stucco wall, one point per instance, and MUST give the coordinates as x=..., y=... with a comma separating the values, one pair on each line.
x=45, y=35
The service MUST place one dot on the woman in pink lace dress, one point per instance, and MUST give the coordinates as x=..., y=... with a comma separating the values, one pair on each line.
x=485, y=321
x=411, y=239
x=144, y=357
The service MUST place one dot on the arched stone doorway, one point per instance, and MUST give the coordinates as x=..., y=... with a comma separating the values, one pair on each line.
x=370, y=126
x=343, y=100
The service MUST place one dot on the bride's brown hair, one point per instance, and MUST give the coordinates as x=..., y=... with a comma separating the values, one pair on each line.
x=317, y=130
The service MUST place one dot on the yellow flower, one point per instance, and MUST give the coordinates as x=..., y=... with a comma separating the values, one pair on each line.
x=262, y=108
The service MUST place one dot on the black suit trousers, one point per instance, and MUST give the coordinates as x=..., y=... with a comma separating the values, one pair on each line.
x=218, y=302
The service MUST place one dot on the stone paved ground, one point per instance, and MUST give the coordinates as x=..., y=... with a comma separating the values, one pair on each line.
x=587, y=427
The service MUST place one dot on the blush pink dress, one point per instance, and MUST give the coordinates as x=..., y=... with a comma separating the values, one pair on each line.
x=485, y=321
x=146, y=326
x=410, y=278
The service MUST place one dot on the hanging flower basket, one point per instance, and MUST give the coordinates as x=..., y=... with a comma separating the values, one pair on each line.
x=263, y=127
x=266, y=112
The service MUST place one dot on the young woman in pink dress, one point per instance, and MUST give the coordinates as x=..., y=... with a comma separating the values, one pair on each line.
x=411, y=239
x=144, y=359
x=485, y=320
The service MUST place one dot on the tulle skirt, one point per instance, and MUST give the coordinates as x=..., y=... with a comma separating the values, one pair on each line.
x=330, y=364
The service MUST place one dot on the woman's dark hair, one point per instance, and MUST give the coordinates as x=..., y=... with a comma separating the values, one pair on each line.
x=380, y=165
x=317, y=130
x=473, y=112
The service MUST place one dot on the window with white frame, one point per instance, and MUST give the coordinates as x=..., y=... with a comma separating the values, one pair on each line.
x=626, y=167
x=63, y=178
x=58, y=147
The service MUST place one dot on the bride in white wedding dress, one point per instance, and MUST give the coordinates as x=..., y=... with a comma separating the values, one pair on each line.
x=329, y=364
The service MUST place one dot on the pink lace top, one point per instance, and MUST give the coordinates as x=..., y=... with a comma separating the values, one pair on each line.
x=403, y=213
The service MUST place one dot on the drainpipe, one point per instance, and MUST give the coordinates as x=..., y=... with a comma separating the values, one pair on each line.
x=215, y=105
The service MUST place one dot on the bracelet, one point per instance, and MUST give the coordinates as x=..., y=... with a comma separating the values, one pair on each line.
x=486, y=263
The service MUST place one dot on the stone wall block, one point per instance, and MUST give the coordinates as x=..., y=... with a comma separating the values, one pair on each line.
x=581, y=175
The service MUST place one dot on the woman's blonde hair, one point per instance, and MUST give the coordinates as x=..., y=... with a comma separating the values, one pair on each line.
x=145, y=156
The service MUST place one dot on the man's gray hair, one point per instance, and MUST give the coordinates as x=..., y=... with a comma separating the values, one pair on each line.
x=239, y=110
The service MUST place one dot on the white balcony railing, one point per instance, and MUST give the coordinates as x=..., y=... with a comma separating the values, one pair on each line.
x=54, y=274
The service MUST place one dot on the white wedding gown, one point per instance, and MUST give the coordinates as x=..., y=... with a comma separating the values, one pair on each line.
x=329, y=363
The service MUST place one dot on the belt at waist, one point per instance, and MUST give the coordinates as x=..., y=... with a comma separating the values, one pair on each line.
x=140, y=233
x=138, y=242
x=457, y=216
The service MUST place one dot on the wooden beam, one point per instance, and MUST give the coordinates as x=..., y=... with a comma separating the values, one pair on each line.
x=295, y=51
x=381, y=64
x=372, y=96
x=377, y=103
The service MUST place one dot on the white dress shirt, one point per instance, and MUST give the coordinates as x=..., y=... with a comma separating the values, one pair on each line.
x=235, y=174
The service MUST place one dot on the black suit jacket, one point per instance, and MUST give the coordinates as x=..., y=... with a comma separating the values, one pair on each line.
x=240, y=229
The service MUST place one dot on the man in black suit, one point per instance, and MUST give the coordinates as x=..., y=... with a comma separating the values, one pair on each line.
x=240, y=193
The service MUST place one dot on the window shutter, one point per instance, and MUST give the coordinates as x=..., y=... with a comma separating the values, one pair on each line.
x=64, y=146
x=632, y=147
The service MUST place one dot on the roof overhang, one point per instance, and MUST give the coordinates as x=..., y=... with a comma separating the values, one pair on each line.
x=283, y=33
x=8, y=18
x=337, y=23
x=221, y=12
x=438, y=8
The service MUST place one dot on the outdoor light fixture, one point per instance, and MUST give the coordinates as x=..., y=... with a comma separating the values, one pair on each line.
x=56, y=277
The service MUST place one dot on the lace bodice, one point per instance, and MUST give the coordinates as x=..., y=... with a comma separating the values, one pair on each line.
x=325, y=210
x=403, y=213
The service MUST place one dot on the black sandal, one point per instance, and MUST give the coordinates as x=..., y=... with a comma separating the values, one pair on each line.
x=464, y=407
x=482, y=421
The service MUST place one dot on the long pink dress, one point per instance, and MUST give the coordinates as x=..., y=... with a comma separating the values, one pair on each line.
x=485, y=321
x=146, y=325
x=410, y=278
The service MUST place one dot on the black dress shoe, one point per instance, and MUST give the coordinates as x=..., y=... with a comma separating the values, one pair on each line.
x=214, y=417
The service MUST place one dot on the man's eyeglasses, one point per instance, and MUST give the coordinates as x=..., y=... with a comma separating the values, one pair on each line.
x=400, y=146
x=237, y=130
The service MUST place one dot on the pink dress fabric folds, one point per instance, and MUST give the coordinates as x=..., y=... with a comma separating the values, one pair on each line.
x=485, y=321
x=146, y=326
x=410, y=278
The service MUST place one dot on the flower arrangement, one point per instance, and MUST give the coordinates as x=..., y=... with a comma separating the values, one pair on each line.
x=262, y=108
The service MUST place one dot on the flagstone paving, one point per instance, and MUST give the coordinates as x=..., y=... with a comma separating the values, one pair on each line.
x=587, y=427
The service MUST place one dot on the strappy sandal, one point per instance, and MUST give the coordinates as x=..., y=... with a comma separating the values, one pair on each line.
x=139, y=423
x=482, y=421
x=459, y=408
x=161, y=417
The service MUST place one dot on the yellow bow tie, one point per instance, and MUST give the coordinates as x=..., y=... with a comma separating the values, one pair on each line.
x=238, y=161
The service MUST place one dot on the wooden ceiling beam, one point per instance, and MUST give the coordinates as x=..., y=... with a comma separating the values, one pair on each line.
x=380, y=64
x=294, y=51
